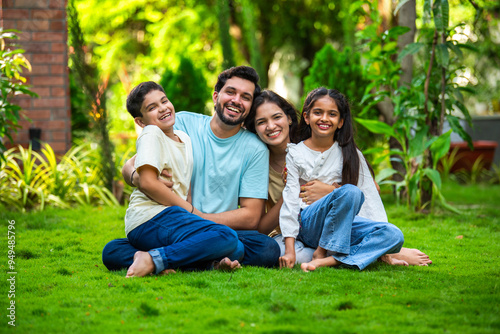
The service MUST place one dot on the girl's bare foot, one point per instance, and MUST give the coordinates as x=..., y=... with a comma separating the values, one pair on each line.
x=324, y=262
x=143, y=265
x=319, y=253
x=387, y=258
x=227, y=265
x=413, y=256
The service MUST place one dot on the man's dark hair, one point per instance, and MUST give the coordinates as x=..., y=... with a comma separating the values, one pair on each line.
x=243, y=72
x=137, y=95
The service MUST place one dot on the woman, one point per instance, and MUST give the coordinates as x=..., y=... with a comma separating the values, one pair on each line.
x=275, y=121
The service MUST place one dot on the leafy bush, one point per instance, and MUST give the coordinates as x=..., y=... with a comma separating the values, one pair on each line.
x=30, y=180
x=12, y=83
x=186, y=87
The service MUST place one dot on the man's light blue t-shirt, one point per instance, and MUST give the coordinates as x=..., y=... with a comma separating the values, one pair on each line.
x=224, y=169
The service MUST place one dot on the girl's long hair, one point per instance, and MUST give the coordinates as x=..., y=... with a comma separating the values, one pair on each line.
x=343, y=136
x=268, y=96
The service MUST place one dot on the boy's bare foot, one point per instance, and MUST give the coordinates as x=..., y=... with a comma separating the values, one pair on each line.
x=413, y=256
x=143, y=265
x=227, y=265
x=387, y=258
x=324, y=262
x=319, y=253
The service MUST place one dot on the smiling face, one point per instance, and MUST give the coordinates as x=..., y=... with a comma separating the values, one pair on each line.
x=233, y=101
x=324, y=118
x=157, y=110
x=272, y=124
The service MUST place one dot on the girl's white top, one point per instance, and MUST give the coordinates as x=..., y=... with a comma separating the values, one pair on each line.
x=304, y=165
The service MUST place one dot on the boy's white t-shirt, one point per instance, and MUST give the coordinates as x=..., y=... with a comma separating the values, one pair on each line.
x=154, y=148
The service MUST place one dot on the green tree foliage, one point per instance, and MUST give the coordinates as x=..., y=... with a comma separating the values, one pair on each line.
x=12, y=83
x=341, y=71
x=186, y=87
x=94, y=88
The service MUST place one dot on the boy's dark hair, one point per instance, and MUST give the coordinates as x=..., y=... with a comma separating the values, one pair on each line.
x=137, y=95
x=268, y=96
x=243, y=72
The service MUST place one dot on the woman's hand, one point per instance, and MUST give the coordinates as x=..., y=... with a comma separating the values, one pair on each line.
x=314, y=190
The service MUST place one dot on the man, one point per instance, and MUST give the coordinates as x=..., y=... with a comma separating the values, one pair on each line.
x=230, y=172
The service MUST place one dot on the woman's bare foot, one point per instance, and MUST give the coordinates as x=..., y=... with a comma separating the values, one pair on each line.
x=227, y=265
x=143, y=265
x=413, y=256
x=319, y=253
x=324, y=262
x=387, y=258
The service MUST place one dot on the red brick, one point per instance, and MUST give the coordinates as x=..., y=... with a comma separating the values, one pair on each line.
x=58, y=91
x=59, y=135
x=58, y=69
x=48, y=58
x=33, y=25
x=57, y=3
x=16, y=13
x=42, y=91
x=23, y=102
x=34, y=47
x=25, y=36
x=25, y=124
x=48, y=125
x=8, y=3
x=39, y=115
x=48, y=81
x=49, y=36
x=48, y=14
x=44, y=102
x=39, y=69
x=61, y=113
x=10, y=24
x=58, y=25
x=31, y=3
x=59, y=47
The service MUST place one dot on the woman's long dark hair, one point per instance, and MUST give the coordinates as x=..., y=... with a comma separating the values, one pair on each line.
x=343, y=136
x=268, y=96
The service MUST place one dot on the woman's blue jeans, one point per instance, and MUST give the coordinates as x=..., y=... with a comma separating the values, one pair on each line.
x=176, y=238
x=332, y=223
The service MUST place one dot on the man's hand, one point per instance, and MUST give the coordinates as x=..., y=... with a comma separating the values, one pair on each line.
x=167, y=178
x=314, y=190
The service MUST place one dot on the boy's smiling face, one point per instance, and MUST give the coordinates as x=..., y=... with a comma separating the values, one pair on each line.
x=157, y=110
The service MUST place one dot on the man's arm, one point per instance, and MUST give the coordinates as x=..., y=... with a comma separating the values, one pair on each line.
x=127, y=170
x=246, y=217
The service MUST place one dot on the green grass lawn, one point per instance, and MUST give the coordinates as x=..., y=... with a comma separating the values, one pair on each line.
x=62, y=286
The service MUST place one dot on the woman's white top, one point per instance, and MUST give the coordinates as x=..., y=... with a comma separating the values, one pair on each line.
x=304, y=165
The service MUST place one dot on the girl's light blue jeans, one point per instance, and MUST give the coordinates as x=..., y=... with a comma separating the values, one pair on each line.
x=332, y=223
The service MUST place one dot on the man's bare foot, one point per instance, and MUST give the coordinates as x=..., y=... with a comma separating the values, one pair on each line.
x=227, y=265
x=387, y=258
x=413, y=256
x=324, y=262
x=167, y=272
x=319, y=253
x=143, y=265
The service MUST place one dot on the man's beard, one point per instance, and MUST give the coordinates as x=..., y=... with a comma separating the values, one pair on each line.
x=226, y=120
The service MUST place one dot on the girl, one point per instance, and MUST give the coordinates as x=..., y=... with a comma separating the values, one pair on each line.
x=331, y=225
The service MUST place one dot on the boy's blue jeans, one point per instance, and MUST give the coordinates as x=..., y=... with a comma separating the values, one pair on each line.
x=259, y=250
x=332, y=223
x=176, y=238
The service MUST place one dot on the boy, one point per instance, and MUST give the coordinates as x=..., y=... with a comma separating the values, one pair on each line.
x=160, y=219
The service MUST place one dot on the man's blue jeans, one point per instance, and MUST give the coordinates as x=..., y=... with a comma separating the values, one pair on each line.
x=332, y=223
x=259, y=250
x=176, y=238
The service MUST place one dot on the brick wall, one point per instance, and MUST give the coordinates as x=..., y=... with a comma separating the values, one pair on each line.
x=43, y=35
